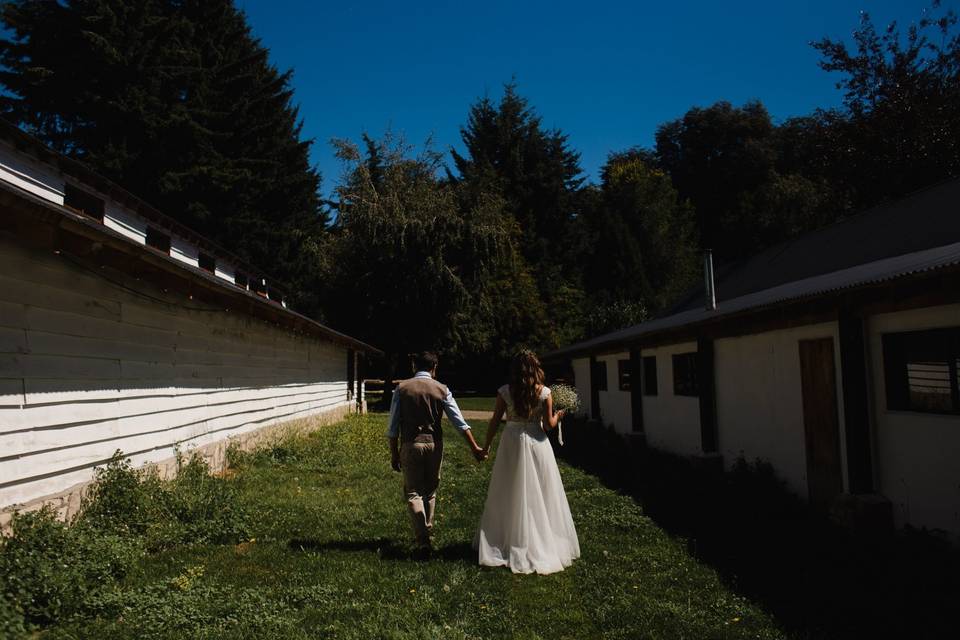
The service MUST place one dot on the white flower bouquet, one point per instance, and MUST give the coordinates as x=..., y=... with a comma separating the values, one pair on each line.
x=566, y=399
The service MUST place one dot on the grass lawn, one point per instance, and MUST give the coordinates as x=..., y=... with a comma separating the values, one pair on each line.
x=476, y=403
x=330, y=558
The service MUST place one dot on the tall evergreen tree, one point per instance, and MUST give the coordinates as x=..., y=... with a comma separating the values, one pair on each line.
x=509, y=151
x=176, y=101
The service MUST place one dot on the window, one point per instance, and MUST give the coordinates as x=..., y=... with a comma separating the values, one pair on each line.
x=922, y=370
x=83, y=202
x=600, y=375
x=623, y=374
x=158, y=240
x=240, y=279
x=650, y=376
x=685, y=374
x=259, y=286
x=207, y=263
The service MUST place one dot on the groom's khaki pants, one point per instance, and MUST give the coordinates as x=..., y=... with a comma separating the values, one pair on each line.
x=420, y=463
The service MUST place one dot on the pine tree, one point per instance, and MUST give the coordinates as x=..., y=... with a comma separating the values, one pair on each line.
x=508, y=152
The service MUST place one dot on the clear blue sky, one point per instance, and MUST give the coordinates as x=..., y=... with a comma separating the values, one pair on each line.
x=606, y=73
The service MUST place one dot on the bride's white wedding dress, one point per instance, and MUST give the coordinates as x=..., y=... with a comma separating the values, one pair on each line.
x=526, y=522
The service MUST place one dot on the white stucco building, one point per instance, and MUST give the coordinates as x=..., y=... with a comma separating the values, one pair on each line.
x=120, y=329
x=835, y=357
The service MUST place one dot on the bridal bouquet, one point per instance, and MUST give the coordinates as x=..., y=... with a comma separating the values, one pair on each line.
x=565, y=398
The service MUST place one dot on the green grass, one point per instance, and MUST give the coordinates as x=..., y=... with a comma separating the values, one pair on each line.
x=330, y=558
x=476, y=403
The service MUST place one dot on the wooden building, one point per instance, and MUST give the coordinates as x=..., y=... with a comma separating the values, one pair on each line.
x=835, y=357
x=121, y=329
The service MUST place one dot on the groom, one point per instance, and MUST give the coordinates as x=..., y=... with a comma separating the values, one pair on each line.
x=416, y=441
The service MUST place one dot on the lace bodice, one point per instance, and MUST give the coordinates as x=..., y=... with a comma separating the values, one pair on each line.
x=504, y=392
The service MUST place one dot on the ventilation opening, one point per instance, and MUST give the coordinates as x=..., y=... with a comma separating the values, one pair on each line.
x=207, y=263
x=158, y=240
x=83, y=202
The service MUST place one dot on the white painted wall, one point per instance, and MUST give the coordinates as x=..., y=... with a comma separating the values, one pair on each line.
x=917, y=454
x=581, y=379
x=671, y=423
x=760, y=400
x=87, y=368
x=615, y=404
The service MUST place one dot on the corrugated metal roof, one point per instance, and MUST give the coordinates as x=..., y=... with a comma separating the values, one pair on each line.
x=926, y=219
x=860, y=275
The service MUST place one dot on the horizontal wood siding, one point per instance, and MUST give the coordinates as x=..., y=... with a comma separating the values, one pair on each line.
x=92, y=361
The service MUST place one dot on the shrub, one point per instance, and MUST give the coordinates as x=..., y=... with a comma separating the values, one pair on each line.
x=195, y=507
x=122, y=499
x=11, y=619
x=201, y=508
x=48, y=568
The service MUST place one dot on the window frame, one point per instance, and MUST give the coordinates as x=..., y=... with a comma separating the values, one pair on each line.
x=94, y=206
x=624, y=375
x=207, y=262
x=689, y=358
x=158, y=240
x=895, y=356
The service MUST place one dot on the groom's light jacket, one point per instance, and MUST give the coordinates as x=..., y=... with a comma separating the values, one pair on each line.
x=446, y=403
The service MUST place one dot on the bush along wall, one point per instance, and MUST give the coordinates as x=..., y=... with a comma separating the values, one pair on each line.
x=52, y=571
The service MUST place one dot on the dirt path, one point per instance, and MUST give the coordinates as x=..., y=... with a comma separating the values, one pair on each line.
x=477, y=415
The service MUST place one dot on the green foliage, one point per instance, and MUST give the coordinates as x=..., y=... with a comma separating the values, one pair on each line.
x=51, y=571
x=123, y=500
x=178, y=103
x=199, y=508
x=647, y=239
x=538, y=176
x=899, y=129
x=48, y=567
x=193, y=508
x=11, y=619
x=614, y=316
x=424, y=263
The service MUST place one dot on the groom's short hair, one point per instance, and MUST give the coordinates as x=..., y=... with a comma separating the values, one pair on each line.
x=425, y=361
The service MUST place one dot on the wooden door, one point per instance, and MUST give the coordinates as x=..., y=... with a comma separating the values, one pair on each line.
x=821, y=423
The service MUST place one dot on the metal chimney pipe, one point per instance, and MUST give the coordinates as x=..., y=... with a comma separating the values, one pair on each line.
x=710, y=289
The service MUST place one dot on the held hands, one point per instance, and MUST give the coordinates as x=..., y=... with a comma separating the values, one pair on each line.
x=480, y=454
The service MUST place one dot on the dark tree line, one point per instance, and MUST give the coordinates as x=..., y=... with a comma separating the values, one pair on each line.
x=506, y=243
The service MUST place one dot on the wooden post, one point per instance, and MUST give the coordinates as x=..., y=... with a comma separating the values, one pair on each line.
x=636, y=390
x=594, y=389
x=856, y=415
x=707, y=392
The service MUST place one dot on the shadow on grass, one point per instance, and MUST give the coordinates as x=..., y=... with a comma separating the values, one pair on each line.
x=385, y=548
x=816, y=579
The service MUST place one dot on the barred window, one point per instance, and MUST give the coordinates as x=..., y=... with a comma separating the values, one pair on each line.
x=922, y=370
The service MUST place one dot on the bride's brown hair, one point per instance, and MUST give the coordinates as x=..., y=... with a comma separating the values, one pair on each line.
x=526, y=380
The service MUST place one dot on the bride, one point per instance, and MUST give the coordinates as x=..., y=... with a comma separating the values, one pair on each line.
x=526, y=522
